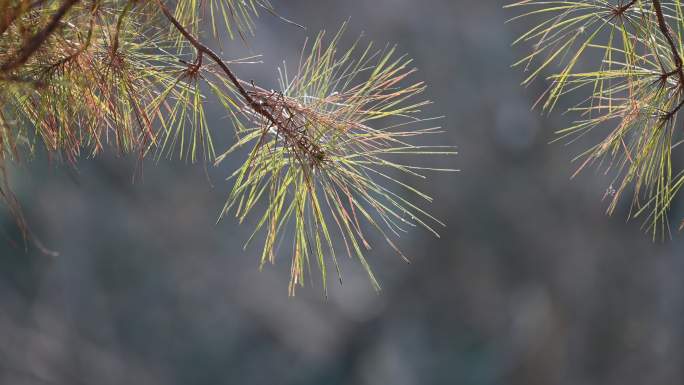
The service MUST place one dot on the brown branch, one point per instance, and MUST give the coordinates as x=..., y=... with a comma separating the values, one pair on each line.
x=619, y=11
x=260, y=108
x=119, y=24
x=39, y=38
x=217, y=59
x=665, y=29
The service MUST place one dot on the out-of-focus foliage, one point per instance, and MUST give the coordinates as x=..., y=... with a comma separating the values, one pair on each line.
x=633, y=90
x=76, y=76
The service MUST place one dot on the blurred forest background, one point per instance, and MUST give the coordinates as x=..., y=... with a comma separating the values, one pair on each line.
x=530, y=284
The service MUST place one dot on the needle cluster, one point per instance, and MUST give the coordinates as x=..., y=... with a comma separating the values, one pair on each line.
x=624, y=59
x=77, y=76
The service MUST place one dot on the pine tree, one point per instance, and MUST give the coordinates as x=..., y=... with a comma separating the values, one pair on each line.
x=77, y=76
x=624, y=58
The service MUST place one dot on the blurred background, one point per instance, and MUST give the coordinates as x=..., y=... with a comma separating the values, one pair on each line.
x=530, y=284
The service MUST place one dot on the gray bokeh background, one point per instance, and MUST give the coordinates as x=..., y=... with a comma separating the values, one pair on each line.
x=531, y=284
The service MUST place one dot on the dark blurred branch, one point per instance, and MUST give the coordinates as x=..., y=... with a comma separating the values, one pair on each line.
x=39, y=38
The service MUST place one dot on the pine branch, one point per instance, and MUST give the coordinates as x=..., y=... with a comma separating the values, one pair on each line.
x=323, y=146
x=634, y=91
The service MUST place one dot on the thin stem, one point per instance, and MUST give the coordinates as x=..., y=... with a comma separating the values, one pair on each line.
x=620, y=10
x=665, y=29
